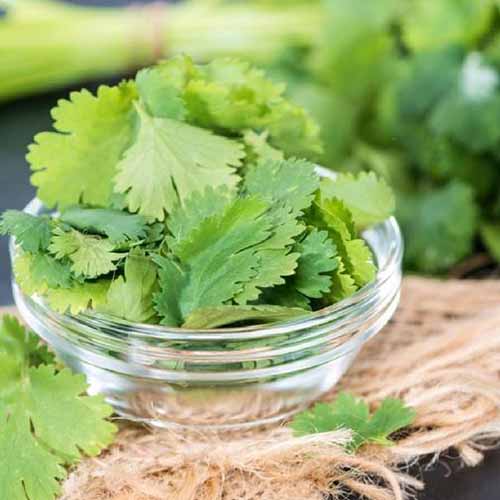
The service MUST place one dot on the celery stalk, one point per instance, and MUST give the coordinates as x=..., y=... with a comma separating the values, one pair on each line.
x=46, y=43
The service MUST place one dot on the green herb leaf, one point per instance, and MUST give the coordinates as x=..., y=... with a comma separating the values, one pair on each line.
x=289, y=182
x=119, y=226
x=131, y=296
x=169, y=160
x=434, y=240
x=78, y=162
x=317, y=259
x=36, y=273
x=349, y=412
x=368, y=198
x=91, y=256
x=47, y=421
x=79, y=297
x=215, y=260
x=31, y=233
x=215, y=317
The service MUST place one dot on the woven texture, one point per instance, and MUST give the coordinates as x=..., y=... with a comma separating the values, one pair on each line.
x=440, y=354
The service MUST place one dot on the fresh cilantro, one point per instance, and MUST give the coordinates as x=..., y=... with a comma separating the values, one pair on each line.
x=215, y=260
x=289, y=182
x=435, y=241
x=215, y=317
x=169, y=160
x=119, y=226
x=179, y=194
x=131, y=296
x=315, y=264
x=200, y=205
x=47, y=421
x=78, y=162
x=356, y=259
x=351, y=413
x=79, y=297
x=91, y=256
x=31, y=233
x=368, y=198
x=36, y=273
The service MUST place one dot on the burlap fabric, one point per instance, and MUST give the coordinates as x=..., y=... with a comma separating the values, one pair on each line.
x=441, y=354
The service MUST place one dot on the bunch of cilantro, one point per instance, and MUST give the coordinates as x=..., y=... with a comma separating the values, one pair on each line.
x=47, y=421
x=181, y=200
x=411, y=90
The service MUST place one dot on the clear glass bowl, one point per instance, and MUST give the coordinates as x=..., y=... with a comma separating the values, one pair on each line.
x=224, y=378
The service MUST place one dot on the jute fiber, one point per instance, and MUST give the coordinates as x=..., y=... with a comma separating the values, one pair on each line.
x=440, y=354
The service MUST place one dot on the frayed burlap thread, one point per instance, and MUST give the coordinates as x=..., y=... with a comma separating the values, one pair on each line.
x=440, y=354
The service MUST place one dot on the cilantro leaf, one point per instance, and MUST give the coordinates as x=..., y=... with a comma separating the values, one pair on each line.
x=169, y=160
x=215, y=317
x=36, y=273
x=368, y=198
x=215, y=260
x=349, y=412
x=196, y=208
x=160, y=87
x=31, y=233
x=78, y=162
x=259, y=147
x=119, y=226
x=91, y=256
x=434, y=241
x=357, y=265
x=131, y=297
x=79, y=297
x=45, y=269
x=317, y=259
x=290, y=182
x=47, y=421
x=230, y=94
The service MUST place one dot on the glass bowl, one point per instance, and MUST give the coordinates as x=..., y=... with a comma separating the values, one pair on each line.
x=221, y=378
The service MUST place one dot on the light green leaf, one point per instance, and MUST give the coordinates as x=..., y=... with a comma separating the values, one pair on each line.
x=169, y=160
x=46, y=419
x=91, y=256
x=316, y=262
x=215, y=260
x=31, y=233
x=78, y=298
x=78, y=162
x=215, y=317
x=35, y=273
x=434, y=241
x=349, y=412
x=368, y=197
x=200, y=205
x=119, y=226
x=131, y=297
x=290, y=182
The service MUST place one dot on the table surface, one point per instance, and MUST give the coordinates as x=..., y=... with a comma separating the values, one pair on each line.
x=21, y=119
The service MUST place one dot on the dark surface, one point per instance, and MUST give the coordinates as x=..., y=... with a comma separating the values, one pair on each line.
x=20, y=120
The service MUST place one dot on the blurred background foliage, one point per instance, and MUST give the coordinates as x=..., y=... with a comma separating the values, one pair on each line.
x=408, y=88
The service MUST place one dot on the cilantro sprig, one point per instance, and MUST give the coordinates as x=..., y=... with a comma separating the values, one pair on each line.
x=46, y=419
x=181, y=201
x=352, y=413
